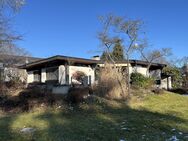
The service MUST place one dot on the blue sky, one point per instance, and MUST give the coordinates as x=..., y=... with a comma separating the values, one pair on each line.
x=69, y=27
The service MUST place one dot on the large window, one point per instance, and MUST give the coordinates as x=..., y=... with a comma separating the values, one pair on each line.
x=52, y=74
x=37, y=76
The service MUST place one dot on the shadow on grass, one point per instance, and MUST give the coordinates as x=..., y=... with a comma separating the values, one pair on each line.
x=97, y=122
x=7, y=133
x=111, y=124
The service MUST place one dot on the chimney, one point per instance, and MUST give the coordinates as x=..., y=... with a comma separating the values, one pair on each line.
x=97, y=57
x=26, y=60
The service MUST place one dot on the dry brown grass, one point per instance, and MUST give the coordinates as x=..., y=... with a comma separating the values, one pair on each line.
x=112, y=83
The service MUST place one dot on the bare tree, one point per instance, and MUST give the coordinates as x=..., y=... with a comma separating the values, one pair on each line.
x=182, y=61
x=108, y=42
x=117, y=28
x=152, y=56
x=7, y=36
x=13, y=5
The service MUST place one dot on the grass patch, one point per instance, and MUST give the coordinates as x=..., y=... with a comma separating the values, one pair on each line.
x=152, y=118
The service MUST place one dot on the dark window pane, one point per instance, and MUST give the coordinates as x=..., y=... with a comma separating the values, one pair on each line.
x=52, y=73
x=37, y=76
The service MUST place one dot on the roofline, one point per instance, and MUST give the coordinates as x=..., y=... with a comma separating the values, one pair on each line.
x=83, y=60
x=137, y=62
x=146, y=63
x=59, y=57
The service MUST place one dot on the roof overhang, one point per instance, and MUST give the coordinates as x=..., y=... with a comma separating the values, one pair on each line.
x=58, y=59
x=135, y=63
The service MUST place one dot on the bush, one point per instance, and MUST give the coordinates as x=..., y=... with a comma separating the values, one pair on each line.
x=112, y=84
x=78, y=94
x=15, y=84
x=3, y=89
x=141, y=81
x=29, y=99
x=180, y=91
x=176, y=75
x=158, y=91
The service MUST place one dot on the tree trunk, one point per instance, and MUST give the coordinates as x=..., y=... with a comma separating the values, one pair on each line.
x=119, y=81
x=147, y=72
x=128, y=75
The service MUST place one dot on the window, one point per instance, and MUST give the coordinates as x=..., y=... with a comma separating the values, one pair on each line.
x=37, y=76
x=89, y=79
x=158, y=82
x=52, y=74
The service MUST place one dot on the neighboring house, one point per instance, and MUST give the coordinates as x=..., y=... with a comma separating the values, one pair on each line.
x=9, y=66
x=61, y=72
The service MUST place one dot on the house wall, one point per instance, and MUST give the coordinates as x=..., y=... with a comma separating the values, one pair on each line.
x=62, y=74
x=30, y=77
x=166, y=83
x=156, y=74
x=140, y=69
x=169, y=82
x=87, y=70
x=163, y=84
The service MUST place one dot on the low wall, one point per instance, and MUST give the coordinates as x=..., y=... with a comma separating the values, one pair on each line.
x=61, y=89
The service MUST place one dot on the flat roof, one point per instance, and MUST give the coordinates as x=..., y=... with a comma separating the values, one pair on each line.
x=59, y=58
x=137, y=62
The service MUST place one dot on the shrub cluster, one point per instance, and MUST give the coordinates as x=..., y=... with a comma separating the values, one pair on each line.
x=28, y=99
x=7, y=87
x=15, y=84
x=176, y=74
x=78, y=94
x=158, y=91
x=141, y=81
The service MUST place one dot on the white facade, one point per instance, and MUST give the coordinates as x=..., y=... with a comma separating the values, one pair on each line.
x=90, y=73
x=65, y=75
x=140, y=69
x=166, y=83
x=63, y=72
x=132, y=69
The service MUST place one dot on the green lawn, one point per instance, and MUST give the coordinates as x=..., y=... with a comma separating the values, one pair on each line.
x=150, y=119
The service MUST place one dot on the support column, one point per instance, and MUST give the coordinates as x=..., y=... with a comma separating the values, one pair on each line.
x=43, y=75
x=169, y=83
x=62, y=75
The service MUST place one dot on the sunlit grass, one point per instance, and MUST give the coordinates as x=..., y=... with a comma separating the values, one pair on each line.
x=151, y=118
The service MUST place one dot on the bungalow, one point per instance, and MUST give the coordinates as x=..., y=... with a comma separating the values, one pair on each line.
x=59, y=73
